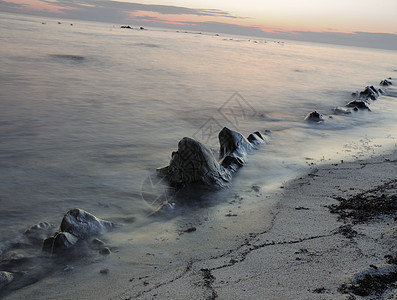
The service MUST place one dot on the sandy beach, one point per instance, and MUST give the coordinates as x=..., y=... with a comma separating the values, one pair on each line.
x=308, y=252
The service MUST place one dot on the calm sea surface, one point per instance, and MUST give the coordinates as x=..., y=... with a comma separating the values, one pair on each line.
x=88, y=111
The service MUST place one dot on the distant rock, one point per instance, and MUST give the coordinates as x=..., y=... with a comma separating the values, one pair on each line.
x=126, y=27
x=342, y=110
x=315, y=117
x=358, y=104
x=386, y=83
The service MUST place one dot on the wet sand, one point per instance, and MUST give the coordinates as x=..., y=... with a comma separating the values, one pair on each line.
x=307, y=253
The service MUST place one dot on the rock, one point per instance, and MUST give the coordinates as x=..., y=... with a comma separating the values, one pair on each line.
x=314, y=117
x=5, y=278
x=59, y=242
x=194, y=163
x=105, y=251
x=358, y=104
x=97, y=244
x=386, y=83
x=82, y=224
x=77, y=225
x=370, y=92
x=38, y=232
x=342, y=110
x=126, y=27
x=233, y=144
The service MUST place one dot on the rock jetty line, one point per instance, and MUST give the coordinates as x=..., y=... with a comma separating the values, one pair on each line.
x=361, y=101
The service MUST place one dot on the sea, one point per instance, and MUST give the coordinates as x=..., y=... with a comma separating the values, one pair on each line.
x=88, y=111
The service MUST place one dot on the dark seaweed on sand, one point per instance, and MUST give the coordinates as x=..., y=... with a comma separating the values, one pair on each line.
x=368, y=205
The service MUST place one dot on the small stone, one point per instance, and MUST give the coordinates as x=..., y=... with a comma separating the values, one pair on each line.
x=5, y=278
x=105, y=251
x=104, y=271
x=97, y=244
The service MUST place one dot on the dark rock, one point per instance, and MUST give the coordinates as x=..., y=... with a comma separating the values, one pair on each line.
x=77, y=225
x=370, y=92
x=194, y=163
x=314, y=117
x=126, y=27
x=82, y=224
x=358, y=104
x=97, y=244
x=105, y=251
x=386, y=83
x=5, y=278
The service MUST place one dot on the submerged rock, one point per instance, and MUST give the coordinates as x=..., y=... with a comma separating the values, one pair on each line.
x=194, y=163
x=358, y=104
x=5, y=278
x=314, y=117
x=38, y=232
x=342, y=110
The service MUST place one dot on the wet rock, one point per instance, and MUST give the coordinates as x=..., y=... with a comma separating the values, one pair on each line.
x=38, y=232
x=59, y=242
x=194, y=163
x=105, y=251
x=342, y=110
x=5, y=278
x=97, y=244
x=370, y=92
x=358, y=104
x=314, y=117
x=77, y=225
x=386, y=83
x=82, y=224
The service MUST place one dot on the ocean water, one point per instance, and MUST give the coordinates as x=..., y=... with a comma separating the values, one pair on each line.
x=90, y=110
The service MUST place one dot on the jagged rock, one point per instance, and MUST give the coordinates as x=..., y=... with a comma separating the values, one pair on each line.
x=194, y=163
x=370, y=92
x=82, y=224
x=5, y=278
x=386, y=83
x=38, y=232
x=314, y=117
x=358, y=104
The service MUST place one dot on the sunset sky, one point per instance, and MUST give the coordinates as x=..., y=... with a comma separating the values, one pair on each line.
x=280, y=18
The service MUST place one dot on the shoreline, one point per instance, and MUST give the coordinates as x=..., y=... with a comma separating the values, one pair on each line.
x=307, y=253
x=304, y=251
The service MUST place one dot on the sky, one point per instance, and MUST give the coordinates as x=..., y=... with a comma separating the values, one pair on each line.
x=365, y=23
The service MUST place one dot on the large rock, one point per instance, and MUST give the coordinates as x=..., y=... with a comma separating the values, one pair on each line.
x=194, y=163
x=82, y=224
x=358, y=104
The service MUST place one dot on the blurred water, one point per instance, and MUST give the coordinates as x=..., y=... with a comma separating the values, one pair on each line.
x=89, y=111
